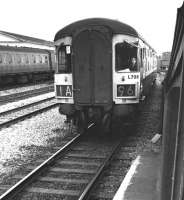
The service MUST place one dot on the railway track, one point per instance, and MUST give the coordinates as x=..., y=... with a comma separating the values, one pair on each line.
x=16, y=114
x=23, y=95
x=90, y=167
x=72, y=172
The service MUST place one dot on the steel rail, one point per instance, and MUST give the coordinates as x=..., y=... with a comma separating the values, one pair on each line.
x=13, y=191
x=28, y=115
x=26, y=106
x=85, y=195
x=26, y=93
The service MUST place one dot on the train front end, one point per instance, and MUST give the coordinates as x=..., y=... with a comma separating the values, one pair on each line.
x=99, y=73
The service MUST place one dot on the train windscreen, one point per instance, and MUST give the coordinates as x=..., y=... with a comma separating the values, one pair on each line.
x=64, y=59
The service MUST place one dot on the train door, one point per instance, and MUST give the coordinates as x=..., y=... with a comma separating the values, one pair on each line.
x=92, y=68
x=81, y=68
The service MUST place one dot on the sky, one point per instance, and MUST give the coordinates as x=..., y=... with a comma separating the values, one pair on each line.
x=153, y=19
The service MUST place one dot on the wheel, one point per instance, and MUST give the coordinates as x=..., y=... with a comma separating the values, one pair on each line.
x=81, y=122
x=106, y=123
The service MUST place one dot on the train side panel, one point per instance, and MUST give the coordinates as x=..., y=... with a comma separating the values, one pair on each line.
x=16, y=62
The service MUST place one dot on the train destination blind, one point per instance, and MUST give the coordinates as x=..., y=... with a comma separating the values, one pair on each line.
x=64, y=90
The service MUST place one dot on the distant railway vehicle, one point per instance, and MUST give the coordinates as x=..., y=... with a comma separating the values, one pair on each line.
x=23, y=64
x=163, y=62
x=104, y=69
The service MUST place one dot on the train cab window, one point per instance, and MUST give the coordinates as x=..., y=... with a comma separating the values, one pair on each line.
x=126, y=57
x=64, y=59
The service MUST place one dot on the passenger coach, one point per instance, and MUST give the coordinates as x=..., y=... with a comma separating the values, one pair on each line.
x=23, y=64
x=104, y=69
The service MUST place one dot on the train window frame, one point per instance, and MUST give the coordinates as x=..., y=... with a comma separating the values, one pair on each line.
x=141, y=54
x=26, y=59
x=1, y=59
x=122, y=64
x=33, y=59
x=144, y=53
x=40, y=59
x=22, y=59
x=46, y=59
x=18, y=59
x=9, y=59
x=64, y=63
x=37, y=59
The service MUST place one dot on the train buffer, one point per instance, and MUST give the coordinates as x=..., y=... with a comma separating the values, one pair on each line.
x=142, y=181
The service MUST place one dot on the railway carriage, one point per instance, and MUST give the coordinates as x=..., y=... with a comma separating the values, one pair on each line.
x=104, y=69
x=23, y=64
x=173, y=118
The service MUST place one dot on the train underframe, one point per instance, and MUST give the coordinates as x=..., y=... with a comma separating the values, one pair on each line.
x=105, y=116
x=102, y=116
x=23, y=78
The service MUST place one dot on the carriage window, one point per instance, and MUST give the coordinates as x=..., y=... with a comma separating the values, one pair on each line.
x=26, y=59
x=144, y=53
x=8, y=59
x=37, y=59
x=22, y=59
x=33, y=59
x=18, y=59
x=126, y=57
x=1, y=59
x=40, y=59
x=64, y=59
x=46, y=60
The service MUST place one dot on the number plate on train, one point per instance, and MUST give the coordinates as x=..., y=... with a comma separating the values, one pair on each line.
x=127, y=90
x=64, y=90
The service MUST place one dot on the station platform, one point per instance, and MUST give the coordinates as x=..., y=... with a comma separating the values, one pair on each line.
x=142, y=181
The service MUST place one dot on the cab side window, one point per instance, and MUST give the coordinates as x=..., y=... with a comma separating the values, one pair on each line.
x=126, y=57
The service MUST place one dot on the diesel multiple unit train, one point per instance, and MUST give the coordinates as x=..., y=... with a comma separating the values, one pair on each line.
x=104, y=69
x=23, y=64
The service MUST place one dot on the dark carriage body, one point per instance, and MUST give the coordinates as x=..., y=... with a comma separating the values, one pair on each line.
x=20, y=64
x=101, y=86
x=173, y=118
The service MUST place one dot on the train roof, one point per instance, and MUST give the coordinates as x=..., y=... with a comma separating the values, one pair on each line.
x=113, y=26
x=23, y=49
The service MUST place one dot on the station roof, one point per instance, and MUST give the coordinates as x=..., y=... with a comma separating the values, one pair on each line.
x=22, y=49
x=26, y=39
x=113, y=26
